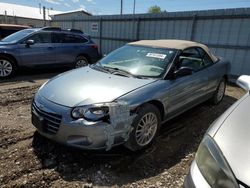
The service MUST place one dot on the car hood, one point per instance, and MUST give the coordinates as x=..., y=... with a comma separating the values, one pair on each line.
x=233, y=138
x=85, y=86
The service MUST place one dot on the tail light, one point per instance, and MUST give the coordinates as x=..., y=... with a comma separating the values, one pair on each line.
x=94, y=46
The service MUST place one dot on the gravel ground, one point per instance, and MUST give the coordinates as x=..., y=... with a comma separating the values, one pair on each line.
x=29, y=160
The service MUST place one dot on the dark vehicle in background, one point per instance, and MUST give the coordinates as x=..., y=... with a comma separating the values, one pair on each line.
x=48, y=46
x=8, y=29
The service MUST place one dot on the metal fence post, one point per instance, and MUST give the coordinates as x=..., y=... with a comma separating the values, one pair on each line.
x=73, y=23
x=100, y=36
x=138, y=28
x=192, y=34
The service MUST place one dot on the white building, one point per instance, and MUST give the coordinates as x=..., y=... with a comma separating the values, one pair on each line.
x=25, y=15
x=70, y=15
x=33, y=16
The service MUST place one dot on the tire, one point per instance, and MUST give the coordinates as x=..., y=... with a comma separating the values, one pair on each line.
x=8, y=67
x=80, y=61
x=219, y=93
x=136, y=141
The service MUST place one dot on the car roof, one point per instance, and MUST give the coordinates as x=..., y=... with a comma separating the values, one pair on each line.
x=174, y=44
x=59, y=30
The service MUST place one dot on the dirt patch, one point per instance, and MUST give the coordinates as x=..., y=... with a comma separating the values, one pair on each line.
x=29, y=160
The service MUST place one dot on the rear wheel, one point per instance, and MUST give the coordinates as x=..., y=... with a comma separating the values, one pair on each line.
x=81, y=61
x=146, y=126
x=7, y=67
x=220, y=92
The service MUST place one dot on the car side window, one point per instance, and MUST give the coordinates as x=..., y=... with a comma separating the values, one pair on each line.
x=67, y=38
x=57, y=38
x=81, y=39
x=41, y=37
x=205, y=57
x=191, y=58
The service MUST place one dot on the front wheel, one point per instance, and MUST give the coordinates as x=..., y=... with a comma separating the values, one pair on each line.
x=81, y=61
x=146, y=126
x=7, y=67
x=220, y=92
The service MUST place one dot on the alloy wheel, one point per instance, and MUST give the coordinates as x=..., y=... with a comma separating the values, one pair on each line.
x=6, y=68
x=146, y=129
x=81, y=63
x=221, y=91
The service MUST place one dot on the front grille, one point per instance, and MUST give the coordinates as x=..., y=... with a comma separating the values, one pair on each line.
x=52, y=121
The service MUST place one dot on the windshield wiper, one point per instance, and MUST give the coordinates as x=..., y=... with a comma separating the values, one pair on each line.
x=112, y=70
x=115, y=69
x=99, y=66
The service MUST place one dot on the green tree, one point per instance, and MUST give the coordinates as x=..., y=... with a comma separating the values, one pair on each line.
x=154, y=9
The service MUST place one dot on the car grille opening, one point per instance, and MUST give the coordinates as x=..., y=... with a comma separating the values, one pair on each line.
x=52, y=121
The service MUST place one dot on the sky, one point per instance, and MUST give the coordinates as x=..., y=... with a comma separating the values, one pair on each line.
x=103, y=7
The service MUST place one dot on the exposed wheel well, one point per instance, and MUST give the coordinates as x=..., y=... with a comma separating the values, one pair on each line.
x=10, y=57
x=86, y=56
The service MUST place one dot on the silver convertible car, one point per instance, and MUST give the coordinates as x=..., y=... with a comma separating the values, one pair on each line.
x=126, y=96
x=222, y=160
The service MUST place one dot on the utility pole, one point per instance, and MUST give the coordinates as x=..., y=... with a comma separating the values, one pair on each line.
x=121, y=6
x=134, y=7
x=44, y=15
x=5, y=17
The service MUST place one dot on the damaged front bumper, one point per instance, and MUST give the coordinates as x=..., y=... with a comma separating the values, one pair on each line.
x=54, y=122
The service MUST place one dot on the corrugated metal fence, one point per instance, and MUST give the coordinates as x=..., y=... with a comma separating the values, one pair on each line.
x=226, y=32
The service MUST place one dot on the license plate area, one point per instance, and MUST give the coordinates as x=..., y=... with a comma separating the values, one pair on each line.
x=38, y=121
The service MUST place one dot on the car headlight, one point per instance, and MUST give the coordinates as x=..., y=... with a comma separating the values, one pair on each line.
x=213, y=166
x=93, y=113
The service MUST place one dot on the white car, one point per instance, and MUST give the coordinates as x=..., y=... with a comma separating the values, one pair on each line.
x=223, y=157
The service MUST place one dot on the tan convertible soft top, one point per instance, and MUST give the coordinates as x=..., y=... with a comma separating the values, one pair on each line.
x=175, y=44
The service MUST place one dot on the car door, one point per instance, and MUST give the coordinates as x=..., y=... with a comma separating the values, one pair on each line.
x=68, y=47
x=39, y=53
x=187, y=91
x=213, y=75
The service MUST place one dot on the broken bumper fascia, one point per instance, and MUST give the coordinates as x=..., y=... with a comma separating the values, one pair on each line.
x=83, y=134
x=79, y=135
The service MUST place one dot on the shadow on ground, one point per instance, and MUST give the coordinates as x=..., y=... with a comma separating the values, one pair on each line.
x=178, y=138
x=30, y=75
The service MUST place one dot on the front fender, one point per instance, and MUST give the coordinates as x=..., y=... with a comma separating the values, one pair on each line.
x=10, y=53
x=157, y=91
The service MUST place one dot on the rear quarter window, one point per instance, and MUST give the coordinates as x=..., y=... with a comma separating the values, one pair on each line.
x=206, y=59
x=68, y=38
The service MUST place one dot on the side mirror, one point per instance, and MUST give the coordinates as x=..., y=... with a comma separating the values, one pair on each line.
x=244, y=82
x=30, y=42
x=183, y=71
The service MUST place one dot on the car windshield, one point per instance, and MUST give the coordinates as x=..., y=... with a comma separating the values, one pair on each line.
x=17, y=36
x=139, y=60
